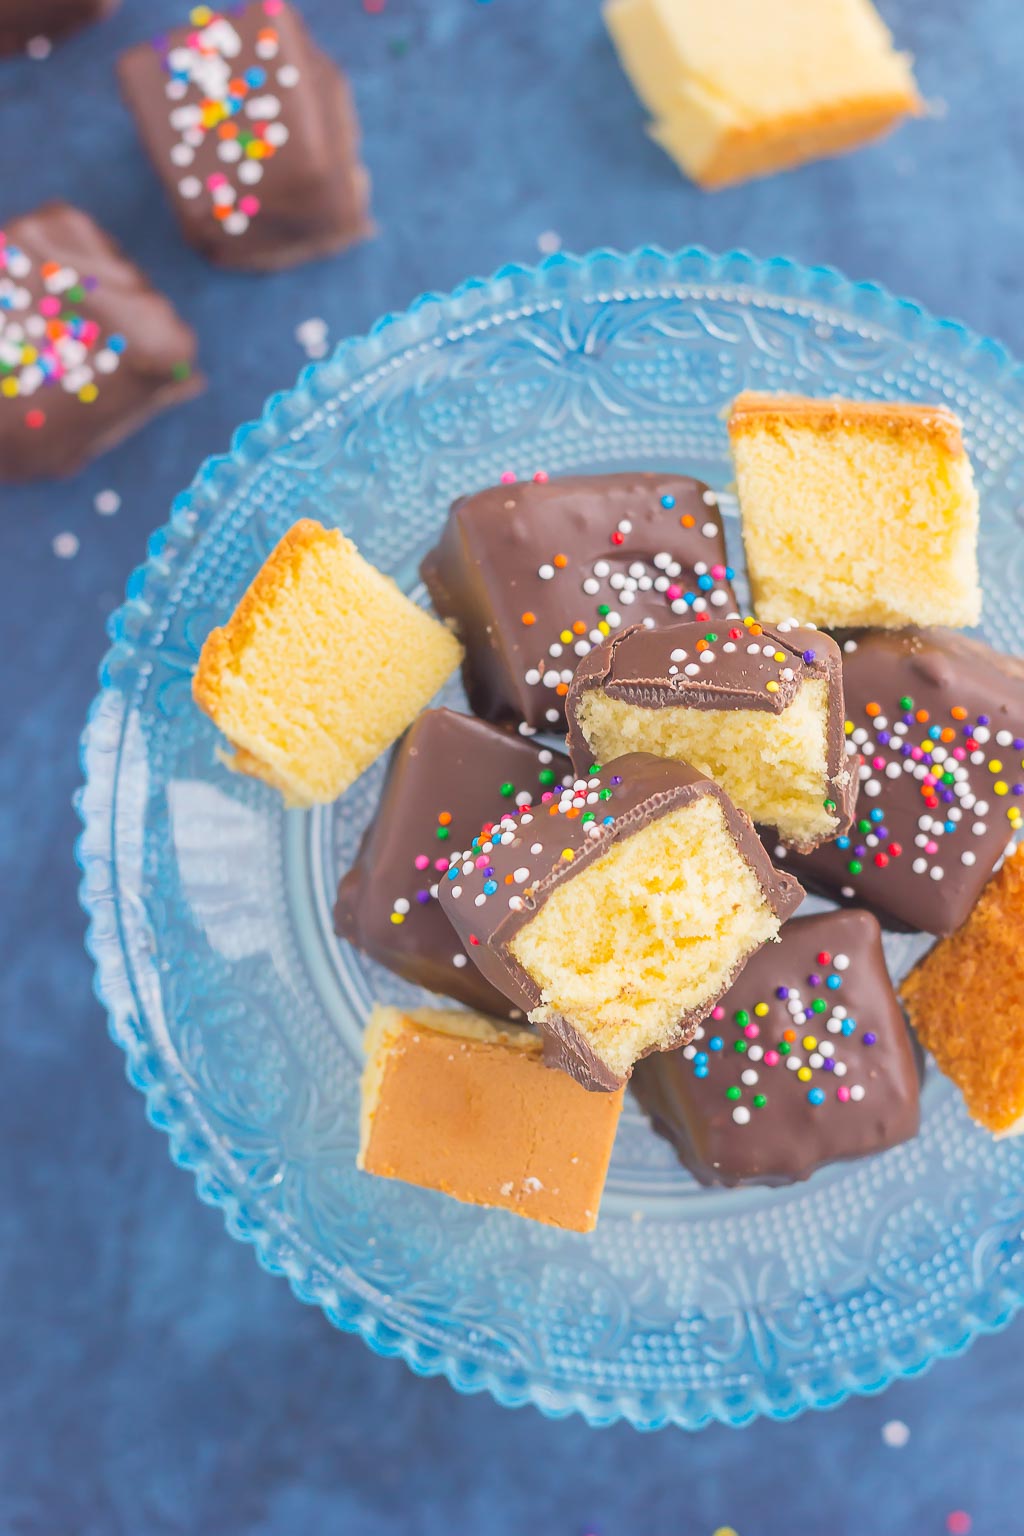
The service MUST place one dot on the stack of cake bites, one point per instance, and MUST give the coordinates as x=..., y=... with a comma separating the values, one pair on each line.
x=622, y=898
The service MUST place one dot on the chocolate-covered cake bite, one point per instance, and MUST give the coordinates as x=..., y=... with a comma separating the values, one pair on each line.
x=805, y=1061
x=535, y=573
x=450, y=777
x=88, y=350
x=758, y=709
x=935, y=725
x=253, y=132
x=617, y=912
x=24, y=21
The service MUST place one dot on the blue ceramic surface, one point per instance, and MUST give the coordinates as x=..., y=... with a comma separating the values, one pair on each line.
x=241, y=1014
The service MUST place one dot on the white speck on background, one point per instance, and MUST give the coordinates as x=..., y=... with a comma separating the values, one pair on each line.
x=895, y=1434
x=65, y=546
x=311, y=336
x=549, y=242
x=39, y=47
x=107, y=503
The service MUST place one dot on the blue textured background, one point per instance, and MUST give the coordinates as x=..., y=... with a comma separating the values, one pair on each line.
x=152, y=1379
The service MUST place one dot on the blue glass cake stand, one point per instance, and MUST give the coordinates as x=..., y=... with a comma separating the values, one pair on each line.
x=209, y=906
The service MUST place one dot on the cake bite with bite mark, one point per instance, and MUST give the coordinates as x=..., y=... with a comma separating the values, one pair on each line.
x=965, y=999
x=450, y=777
x=617, y=911
x=253, y=132
x=805, y=1061
x=458, y=1103
x=935, y=731
x=757, y=708
x=534, y=574
x=89, y=351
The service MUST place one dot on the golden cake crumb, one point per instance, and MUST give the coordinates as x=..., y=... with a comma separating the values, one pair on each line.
x=322, y=665
x=742, y=88
x=965, y=999
x=489, y=1124
x=856, y=513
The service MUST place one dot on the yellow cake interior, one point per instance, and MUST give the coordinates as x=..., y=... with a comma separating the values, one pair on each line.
x=739, y=88
x=321, y=667
x=774, y=767
x=854, y=517
x=649, y=931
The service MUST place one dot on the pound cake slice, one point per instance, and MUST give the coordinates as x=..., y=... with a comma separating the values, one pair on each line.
x=742, y=88
x=617, y=911
x=965, y=999
x=455, y=1102
x=321, y=667
x=855, y=512
x=759, y=710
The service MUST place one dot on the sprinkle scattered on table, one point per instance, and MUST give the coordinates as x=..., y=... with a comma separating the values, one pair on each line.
x=106, y=503
x=311, y=336
x=548, y=242
x=895, y=1434
x=958, y=1522
x=65, y=546
x=39, y=47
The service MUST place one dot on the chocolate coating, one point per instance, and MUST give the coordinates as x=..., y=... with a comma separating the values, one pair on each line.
x=525, y=570
x=22, y=20
x=93, y=351
x=632, y=792
x=692, y=666
x=283, y=147
x=861, y=1095
x=921, y=847
x=445, y=764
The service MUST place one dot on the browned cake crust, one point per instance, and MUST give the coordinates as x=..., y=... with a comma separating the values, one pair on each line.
x=966, y=1001
x=753, y=408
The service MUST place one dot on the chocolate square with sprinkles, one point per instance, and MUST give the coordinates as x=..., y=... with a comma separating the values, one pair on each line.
x=88, y=350
x=534, y=574
x=254, y=134
x=805, y=1061
x=449, y=779
x=935, y=722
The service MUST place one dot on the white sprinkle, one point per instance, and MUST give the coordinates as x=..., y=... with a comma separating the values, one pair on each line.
x=459, y=961
x=982, y=733
x=981, y=807
x=691, y=669
x=754, y=1053
x=967, y=857
x=546, y=572
x=65, y=546
x=980, y=828
x=689, y=1052
x=625, y=526
x=707, y=656
x=919, y=866
x=182, y=155
x=710, y=530
x=710, y=499
x=555, y=649
x=700, y=569
x=520, y=876
x=1003, y=738
x=287, y=76
x=895, y=1434
x=849, y=646
x=857, y=1092
x=840, y=962
x=190, y=186
x=548, y=242
x=106, y=503
x=893, y=770
x=840, y=1069
x=582, y=647
x=847, y=891
x=741, y=1114
x=602, y=568
x=456, y=892
x=677, y=655
x=872, y=787
x=532, y=677
x=753, y=650
x=39, y=47
x=936, y=872
x=552, y=716
x=401, y=905
x=749, y=1076
x=590, y=586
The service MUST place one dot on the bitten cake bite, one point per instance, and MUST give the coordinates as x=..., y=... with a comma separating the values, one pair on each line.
x=535, y=573
x=617, y=913
x=320, y=668
x=805, y=1061
x=450, y=777
x=966, y=1002
x=757, y=709
x=88, y=350
x=935, y=730
x=455, y=1102
x=856, y=513
x=24, y=22
x=253, y=132
x=741, y=88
